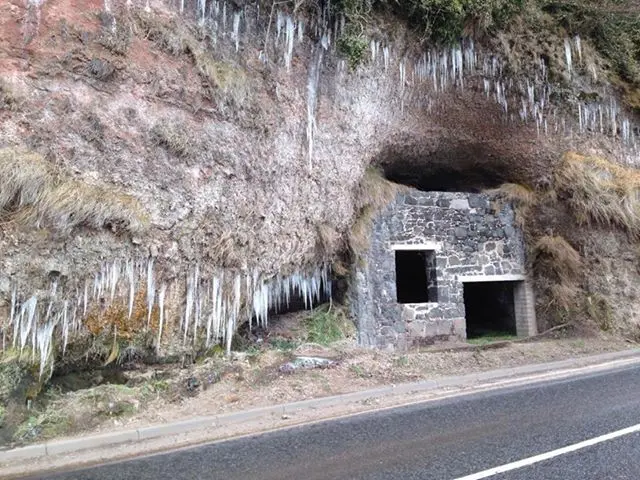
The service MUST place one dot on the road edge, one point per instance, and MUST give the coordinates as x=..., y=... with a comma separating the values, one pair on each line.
x=475, y=381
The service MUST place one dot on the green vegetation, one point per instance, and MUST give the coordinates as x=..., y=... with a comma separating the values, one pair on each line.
x=491, y=337
x=612, y=25
x=437, y=21
x=284, y=344
x=353, y=47
x=327, y=325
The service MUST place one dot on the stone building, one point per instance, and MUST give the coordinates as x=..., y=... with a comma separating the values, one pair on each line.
x=442, y=266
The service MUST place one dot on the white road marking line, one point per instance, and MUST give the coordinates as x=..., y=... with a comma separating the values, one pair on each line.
x=554, y=453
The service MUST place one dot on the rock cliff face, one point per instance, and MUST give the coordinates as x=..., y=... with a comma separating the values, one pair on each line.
x=193, y=164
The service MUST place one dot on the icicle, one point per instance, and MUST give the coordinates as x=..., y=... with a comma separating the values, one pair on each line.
x=289, y=36
x=196, y=300
x=65, y=326
x=130, y=274
x=151, y=290
x=44, y=341
x=578, y=44
x=567, y=54
x=86, y=297
x=235, y=36
x=202, y=5
x=161, y=295
x=114, y=276
x=403, y=74
x=188, y=307
x=312, y=100
x=28, y=308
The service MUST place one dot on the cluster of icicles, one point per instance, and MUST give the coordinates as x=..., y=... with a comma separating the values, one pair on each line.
x=211, y=308
x=463, y=66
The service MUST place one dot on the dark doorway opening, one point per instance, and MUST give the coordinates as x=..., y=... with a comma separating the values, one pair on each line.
x=489, y=309
x=416, y=280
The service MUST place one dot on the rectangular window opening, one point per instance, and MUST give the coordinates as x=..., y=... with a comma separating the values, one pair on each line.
x=416, y=280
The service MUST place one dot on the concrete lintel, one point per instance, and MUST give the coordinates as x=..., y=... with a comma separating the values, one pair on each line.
x=437, y=246
x=491, y=278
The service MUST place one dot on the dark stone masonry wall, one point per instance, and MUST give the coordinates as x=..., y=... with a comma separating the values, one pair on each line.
x=469, y=239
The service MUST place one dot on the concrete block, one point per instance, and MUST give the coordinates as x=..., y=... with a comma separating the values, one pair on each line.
x=85, y=443
x=25, y=453
x=191, y=425
x=256, y=414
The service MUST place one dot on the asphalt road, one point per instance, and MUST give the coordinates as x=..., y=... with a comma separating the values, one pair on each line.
x=447, y=439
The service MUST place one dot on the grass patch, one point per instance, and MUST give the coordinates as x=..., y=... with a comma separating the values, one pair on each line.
x=327, y=325
x=174, y=137
x=35, y=191
x=491, y=337
x=600, y=191
x=283, y=344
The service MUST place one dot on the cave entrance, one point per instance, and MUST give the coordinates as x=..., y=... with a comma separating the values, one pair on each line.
x=416, y=280
x=490, y=309
x=453, y=167
x=472, y=179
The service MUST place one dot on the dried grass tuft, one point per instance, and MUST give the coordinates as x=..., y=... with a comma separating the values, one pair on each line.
x=557, y=256
x=601, y=191
x=9, y=99
x=521, y=197
x=173, y=136
x=34, y=190
x=373, y=193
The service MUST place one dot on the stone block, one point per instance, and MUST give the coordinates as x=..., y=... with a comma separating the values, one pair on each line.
x=399, y=327
x=478, y=201
x=460, y=204
x=460, y=232
x=416, y=329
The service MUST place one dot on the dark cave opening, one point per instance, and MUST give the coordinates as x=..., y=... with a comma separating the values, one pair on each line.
x=442, y=178
x=455, y=167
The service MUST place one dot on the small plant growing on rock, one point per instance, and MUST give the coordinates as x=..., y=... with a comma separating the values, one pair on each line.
x=353, y=47
x=174, y=137
x=328, y=325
